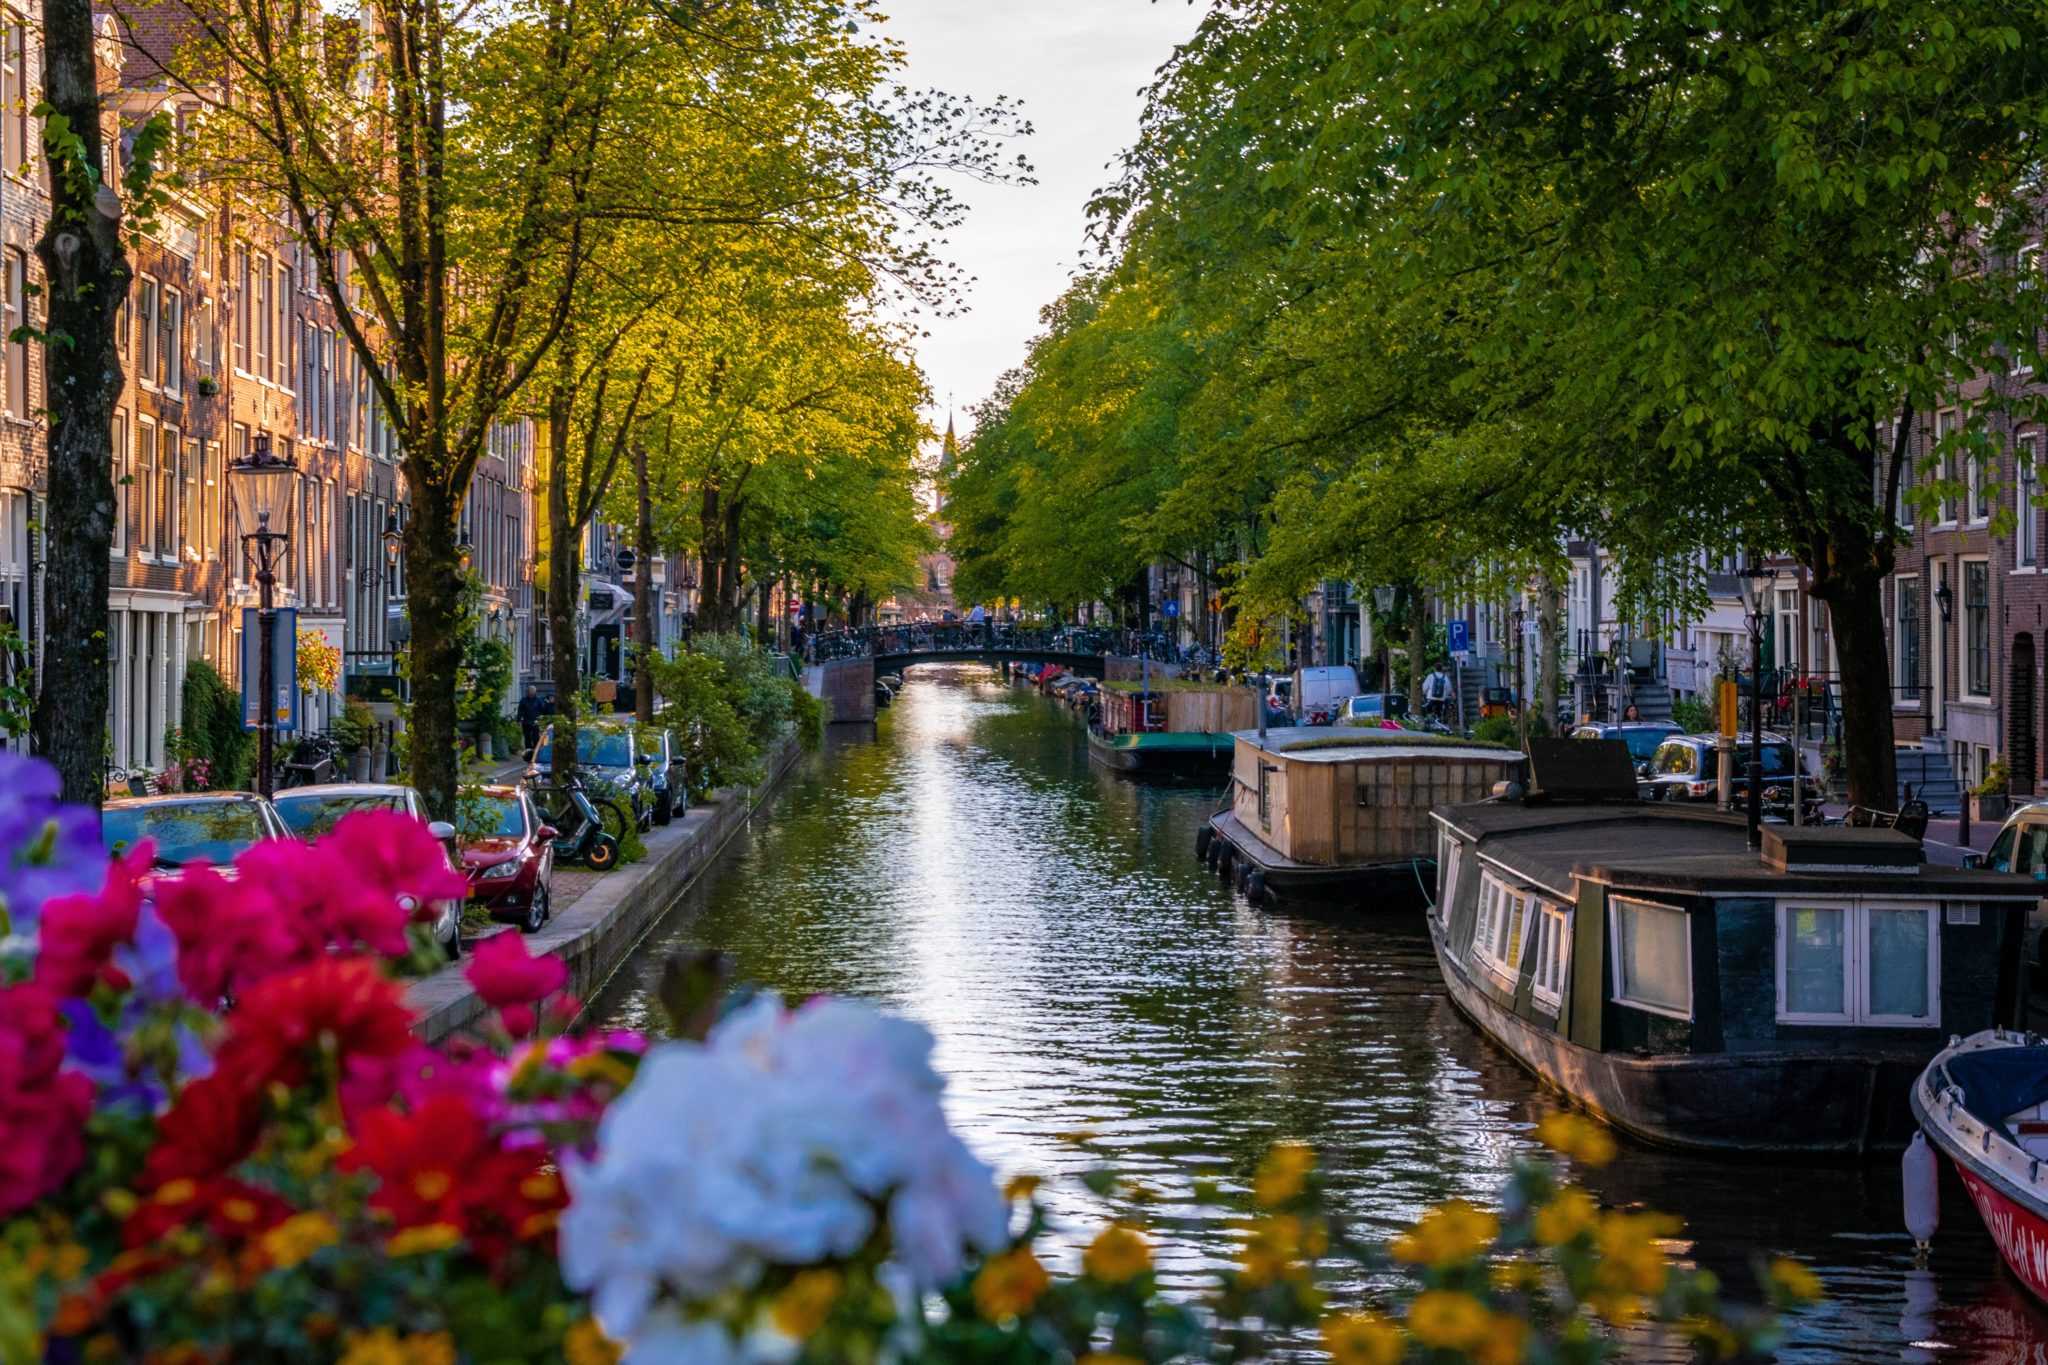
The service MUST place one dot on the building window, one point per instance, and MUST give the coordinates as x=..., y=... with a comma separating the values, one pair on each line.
x=1652, y=957
x=168, y=499
x=1847, y=962
x=171, y=343
x=281, y=300
x=16, y=304
x=259, y=305
x=2027, y=528
x=145, y=485
x=14, y=92
x=1977, y=627
x=192, y=476
x=1553, y=952
x=146, y=302
x=1497, y=933
x=1945, y=466
x=123, y=492
x=241, y=322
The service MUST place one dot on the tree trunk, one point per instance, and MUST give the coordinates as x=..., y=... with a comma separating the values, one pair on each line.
x=433, y=574
x=646, y=636
x=711, y=590
x=730, y=579
x=87, y=277
x=1550, y=659
x=764, y=615
x=1855, y=603
x=565, y=563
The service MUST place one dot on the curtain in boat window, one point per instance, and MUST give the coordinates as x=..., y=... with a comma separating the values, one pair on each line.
x=1899, y=984
x=1653, y=957
x=1816, y=945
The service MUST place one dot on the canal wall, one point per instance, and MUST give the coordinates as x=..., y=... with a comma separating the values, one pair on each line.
x=600, y=931
x=846, y=685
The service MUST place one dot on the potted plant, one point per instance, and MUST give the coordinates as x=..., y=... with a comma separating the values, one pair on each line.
x=353, y=730
x=1991, y=799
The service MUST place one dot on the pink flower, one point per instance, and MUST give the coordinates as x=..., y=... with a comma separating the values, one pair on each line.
x=80, y=932
x=390, y=859
x=506, y=974
x=42, y=1107
x=230, y=934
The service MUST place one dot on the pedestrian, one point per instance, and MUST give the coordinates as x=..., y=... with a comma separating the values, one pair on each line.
x=1631, y=713
x=1436, y=694
x=531, y=709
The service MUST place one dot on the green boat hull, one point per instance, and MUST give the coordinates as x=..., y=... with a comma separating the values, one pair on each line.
x=1176, y=753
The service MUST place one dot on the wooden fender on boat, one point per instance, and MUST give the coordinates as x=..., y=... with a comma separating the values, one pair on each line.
x=1202, y=838
x=1920, y=1170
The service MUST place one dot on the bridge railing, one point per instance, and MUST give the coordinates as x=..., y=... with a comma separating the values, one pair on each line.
x=965, y=637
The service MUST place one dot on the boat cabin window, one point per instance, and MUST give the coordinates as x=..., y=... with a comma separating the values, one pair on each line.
x=1853, y=962
x=1497, y=935
x=1652, y=956
x=1448, y=852
x=1553, y=950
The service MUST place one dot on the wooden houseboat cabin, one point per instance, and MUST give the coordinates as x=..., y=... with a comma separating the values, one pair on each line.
x=1170, y=727
x=1343, y=815
x=1642, y=959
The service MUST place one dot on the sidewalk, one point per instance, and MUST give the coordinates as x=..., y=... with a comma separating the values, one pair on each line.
x=1943, y=844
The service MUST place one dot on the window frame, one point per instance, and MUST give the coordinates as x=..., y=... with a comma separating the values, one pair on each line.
x=142, y=473
x=1906, y=636
x=1553, y=955
x=1976, y=633
x=2026, y=479
x=1946, y=509
x=1504, y=916
x=1619, y=988
x=1857, y=921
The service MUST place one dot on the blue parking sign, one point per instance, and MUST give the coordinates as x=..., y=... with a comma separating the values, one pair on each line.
x=1459, y=636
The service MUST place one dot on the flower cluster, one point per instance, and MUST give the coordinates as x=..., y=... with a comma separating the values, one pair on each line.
x=319, y=663
x=787, y=1138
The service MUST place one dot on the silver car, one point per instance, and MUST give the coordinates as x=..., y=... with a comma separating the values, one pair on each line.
x=310, y=812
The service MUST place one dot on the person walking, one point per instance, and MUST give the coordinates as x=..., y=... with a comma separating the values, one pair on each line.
x=1436, y=694
x=531, y=709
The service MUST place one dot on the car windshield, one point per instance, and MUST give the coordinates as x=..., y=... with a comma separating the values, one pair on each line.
x=1365, y=706
x=1777, y=761
x=485, y=816
x=312, y=816
x=184, y=831
x=605, y=749
x=1641, y=743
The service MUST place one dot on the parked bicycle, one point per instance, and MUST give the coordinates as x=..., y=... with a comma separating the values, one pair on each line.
x=578, y=822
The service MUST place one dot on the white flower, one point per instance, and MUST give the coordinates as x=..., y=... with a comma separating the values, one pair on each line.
x=773, y=1142
x=668, y=1339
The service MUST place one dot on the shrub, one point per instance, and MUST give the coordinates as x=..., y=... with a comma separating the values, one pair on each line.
x=811, y=715
x=213, y=727
x=356, y=727
x=715, y=739
x=1693, y=716
x=1498, y=730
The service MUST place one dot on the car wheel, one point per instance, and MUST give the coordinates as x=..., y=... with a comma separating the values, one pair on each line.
x=546, y=896
x=664, y=808
x=536, y=915
x=454, y=944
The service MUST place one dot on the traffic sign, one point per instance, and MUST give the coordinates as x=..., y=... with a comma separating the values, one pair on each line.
x=1170, y=607
x=1459, y=634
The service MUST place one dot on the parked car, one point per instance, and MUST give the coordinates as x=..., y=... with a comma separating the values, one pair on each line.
x=2022, y=846
x=312, y=812
x=1371, y=709
x=609, y=757
x=1320, y=693
x=508, y=854
x=667, y=780
x=197, y=827
x=1643, y=737
x=1687, y=768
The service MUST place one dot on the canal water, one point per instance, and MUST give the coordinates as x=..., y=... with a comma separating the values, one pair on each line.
x=967, y=866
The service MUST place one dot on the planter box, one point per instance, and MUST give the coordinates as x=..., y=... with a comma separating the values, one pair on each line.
x=1984, y=808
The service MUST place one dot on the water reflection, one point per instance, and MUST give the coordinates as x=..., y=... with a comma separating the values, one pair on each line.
x=1048, y=922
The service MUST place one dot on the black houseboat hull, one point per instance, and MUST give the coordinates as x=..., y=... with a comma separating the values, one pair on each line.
x=1399, y=885
x=1838, y=1102
x=1187, y=755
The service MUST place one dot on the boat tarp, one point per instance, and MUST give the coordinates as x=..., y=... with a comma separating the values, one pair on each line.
x=1998, y=1082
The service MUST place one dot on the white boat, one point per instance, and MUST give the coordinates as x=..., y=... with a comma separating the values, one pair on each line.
x=1983, y=1103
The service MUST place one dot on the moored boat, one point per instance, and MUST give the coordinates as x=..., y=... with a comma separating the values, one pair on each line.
x=1983, y=1103
x=1642, y=959
x=1343, y=816
x=1169, y=728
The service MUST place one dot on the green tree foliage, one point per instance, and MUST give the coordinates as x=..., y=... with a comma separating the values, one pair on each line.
x=730, y=706
x=213, y=726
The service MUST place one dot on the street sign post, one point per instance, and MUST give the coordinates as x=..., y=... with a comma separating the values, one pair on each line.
x=284, y=657
x=1170, y=608
x=1458, y=634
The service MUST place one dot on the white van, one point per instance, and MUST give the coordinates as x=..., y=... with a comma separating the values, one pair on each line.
x=1320, y=693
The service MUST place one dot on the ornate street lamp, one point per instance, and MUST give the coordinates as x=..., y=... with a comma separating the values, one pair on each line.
x=464, y=548
x=265, y=483
x=1383, y=598
x=394, y=541
x=1756, y=607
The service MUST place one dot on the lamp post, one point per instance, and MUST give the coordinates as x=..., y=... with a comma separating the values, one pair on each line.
x=1756, y=603
x=264, y=483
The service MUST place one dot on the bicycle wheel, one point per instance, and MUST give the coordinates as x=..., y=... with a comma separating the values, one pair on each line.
x=617, y=819
x=558, y=810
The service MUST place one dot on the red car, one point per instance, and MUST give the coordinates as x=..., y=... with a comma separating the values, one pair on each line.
x=508, y=855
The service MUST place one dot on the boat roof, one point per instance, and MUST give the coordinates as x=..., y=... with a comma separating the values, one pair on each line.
x=1333, y=744
x=1694, y=850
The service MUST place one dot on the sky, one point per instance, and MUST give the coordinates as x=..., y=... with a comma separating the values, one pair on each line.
x=1078, y=66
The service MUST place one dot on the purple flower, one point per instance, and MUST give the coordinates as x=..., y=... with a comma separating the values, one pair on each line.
x=47, y=849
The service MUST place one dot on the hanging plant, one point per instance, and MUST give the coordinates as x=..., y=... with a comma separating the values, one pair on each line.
x=319, y=663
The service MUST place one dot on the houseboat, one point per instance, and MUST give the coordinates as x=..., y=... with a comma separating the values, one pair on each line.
x=1640, y=958
x=1983, y=1103
x=1170, y=727
x=1343, y=816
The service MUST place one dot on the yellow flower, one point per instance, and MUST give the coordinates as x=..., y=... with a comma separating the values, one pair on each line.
x=1117, y=1254
x=803, y=1306
x=1009, y=1283
x=1621, y=1309
x=69, y=1261
x=1452, y=1232
x=1362, y=1339
x=1577, y=1137
x=1631, y=1259
x=1796, y=1280
x=1021, y=1187
x=430, y=1348
x=1282, y=1173
x=381, y=1347
x=1570, y=1212
x=1516, y=1274
x=179, y=1191
x=586, y=1344
x=1445, y=1319
x=1503, y=1342
x=602, y=1065
x=1716, y=1339
x=297, y=1237
x=419, y=1241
